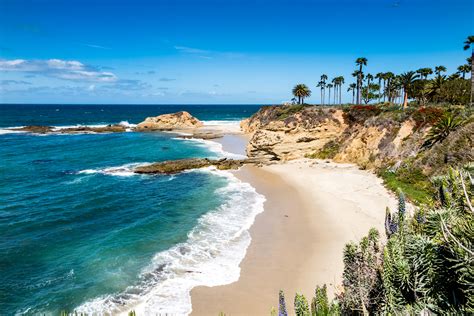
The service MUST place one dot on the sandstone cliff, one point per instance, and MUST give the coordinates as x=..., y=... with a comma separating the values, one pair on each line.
x=364, y=135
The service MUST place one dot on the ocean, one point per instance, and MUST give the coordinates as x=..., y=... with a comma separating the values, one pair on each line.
x=79, y=231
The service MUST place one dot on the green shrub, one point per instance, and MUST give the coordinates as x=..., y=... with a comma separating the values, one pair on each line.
x=329, y=150
x=412, y=181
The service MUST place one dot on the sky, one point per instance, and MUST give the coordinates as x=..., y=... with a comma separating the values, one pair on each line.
x=215, y=51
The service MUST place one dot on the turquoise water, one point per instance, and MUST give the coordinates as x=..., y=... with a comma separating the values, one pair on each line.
x=78, y=230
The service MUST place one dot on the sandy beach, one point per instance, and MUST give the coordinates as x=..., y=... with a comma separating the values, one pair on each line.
x=313, y=209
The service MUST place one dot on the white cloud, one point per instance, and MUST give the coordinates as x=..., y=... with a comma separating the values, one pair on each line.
x=58, y=68
x=191, y=50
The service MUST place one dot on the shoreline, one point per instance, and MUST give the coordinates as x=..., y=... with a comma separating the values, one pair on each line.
x=312, y=209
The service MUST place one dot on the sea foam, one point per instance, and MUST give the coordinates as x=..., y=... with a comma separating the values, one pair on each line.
x=125, y=170
x=212, y=146
x=210, y=257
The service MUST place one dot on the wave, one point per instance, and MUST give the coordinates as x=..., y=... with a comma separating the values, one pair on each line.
x=6, y=130
x=120, y=171
x=210, y=257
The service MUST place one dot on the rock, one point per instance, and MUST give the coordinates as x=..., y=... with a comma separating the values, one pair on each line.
x=34, y=129
x=175, y=166
x=88, y=129
x=71, y=130
x=178, y=120
x=202, y=135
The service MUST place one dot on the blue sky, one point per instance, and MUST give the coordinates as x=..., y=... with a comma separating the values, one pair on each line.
x=210, y=51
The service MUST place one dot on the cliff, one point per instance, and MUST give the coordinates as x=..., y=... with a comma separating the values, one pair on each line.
x=371, y=137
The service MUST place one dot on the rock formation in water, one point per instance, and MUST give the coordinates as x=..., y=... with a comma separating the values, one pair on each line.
x=176, y=166
x=178, y=120
x=71, y=130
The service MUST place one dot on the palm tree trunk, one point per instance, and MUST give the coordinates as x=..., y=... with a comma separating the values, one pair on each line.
x=384, y=91
x=358, y=89
x=340, y=95
x=472, y=76
x=405, y=99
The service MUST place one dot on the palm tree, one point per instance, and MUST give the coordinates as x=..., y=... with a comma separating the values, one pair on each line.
x=439, y=70
x=389, y=77
x=301, y=91
x=369, y=77
x=454, y=76
x=340, y=81
x=468, y=44
x=329, y=86
x=335, y=82
x=322, y=85
x=380, y=77
x=361, y=61
x=352, y=87
x=424, y=72
x=436, y=85
x=463, y=69
x=407, y=80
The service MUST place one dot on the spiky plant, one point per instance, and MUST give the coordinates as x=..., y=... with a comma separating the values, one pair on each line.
x=320, y=304
x=439, y=131
x=281, y=304
x=301, y=305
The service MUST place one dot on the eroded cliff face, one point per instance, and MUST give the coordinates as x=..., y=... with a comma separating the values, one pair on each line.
x=291, y=135
x=362, y=135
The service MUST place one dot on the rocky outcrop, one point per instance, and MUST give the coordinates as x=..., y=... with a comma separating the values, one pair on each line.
x=202, y=135
x=176, y=166
x=88, y=129
x=38, y=129
x=281, y=135
x=178, y=120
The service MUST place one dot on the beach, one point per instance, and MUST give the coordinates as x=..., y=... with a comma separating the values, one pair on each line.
x=312, y=209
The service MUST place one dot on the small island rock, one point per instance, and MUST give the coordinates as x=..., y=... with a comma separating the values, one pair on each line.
x=178, y=120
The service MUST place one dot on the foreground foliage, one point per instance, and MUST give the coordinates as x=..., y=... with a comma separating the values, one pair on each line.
x=425, y=267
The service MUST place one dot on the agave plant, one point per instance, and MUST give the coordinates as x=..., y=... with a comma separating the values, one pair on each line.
x=442, y=129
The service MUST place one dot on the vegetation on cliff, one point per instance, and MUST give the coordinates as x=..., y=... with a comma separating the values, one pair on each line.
x=405, y=147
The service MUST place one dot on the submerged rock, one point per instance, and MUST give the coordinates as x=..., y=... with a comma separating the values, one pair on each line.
x=175, y=166
x=178, y=120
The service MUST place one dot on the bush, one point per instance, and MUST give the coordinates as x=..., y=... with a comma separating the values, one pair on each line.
x=329, y=150
x=358, y=114
x=427, y=116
